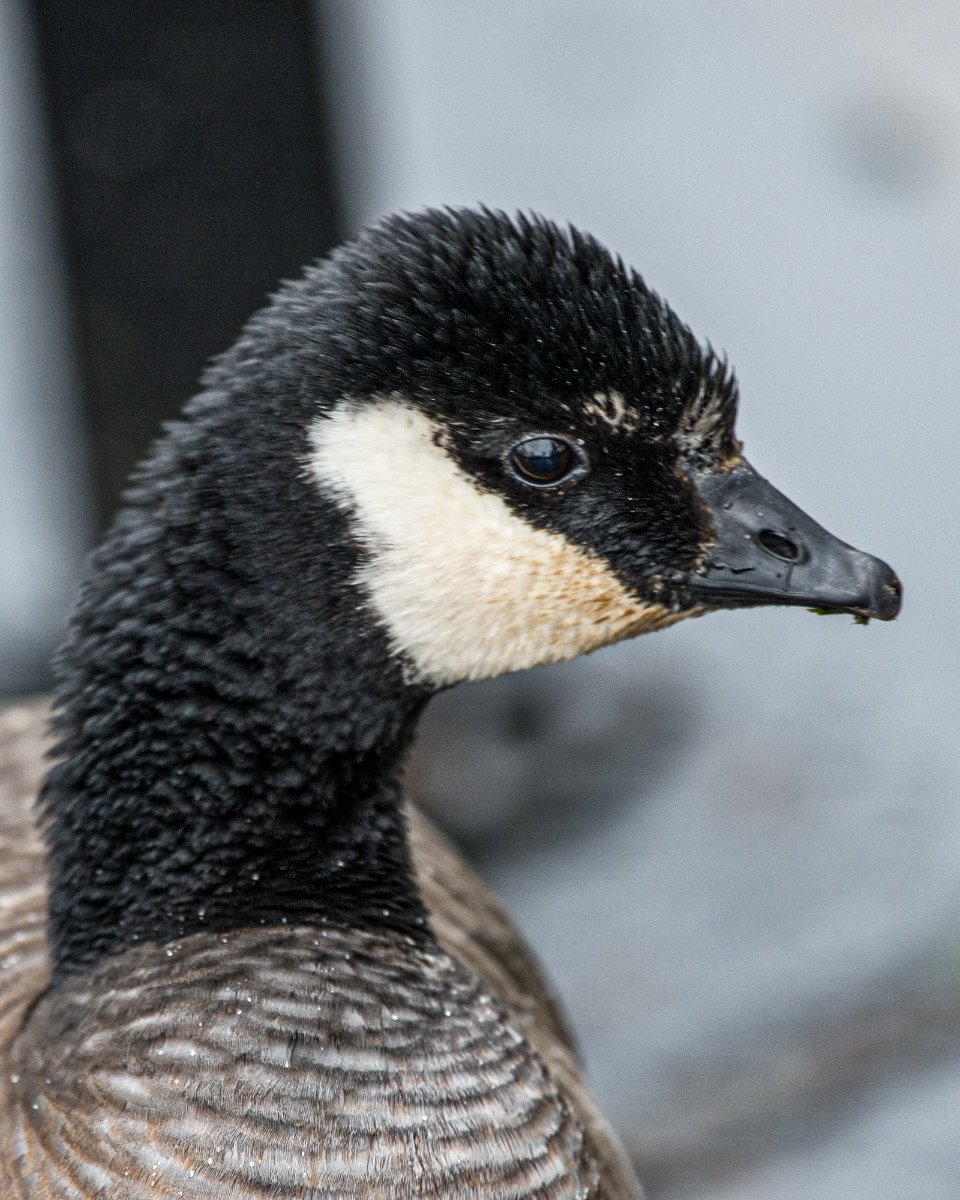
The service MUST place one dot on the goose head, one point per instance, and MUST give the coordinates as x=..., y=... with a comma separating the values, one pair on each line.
x=538, y=458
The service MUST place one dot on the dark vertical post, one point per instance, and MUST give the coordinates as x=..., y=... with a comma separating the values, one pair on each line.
x=194, y=170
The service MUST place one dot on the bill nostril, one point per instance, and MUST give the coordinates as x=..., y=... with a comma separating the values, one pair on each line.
x=780, y=546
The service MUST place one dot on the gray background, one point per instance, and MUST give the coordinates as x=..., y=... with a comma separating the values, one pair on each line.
x=735, y=845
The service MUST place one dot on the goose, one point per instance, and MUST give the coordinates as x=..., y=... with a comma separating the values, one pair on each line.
x=233, y=961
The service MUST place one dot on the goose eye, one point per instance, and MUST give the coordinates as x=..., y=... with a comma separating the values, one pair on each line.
x=544, y=461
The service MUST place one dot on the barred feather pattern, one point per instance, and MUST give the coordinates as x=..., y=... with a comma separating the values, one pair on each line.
x=341, y=1075
x=288, y=1063
x=24, y=967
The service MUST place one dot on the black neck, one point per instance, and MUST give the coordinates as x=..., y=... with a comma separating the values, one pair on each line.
x=232, y=726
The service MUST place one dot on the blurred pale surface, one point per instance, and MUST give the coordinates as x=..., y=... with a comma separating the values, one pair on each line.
x=760, y=945
x=42, y=514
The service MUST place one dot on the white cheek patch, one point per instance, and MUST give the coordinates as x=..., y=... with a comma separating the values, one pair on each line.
x=465, y=587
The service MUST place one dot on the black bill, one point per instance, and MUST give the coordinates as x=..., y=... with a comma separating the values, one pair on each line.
x=768, y=551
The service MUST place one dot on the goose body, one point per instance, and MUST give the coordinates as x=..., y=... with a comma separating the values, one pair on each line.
x=233, y=961
x=402, y=1010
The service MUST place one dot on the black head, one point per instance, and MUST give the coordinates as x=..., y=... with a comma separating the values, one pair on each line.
x=537, y=455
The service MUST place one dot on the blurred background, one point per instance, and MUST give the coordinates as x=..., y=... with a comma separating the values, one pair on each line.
x=736, y=845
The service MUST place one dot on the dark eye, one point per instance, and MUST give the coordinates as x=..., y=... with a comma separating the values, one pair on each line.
x=544, y=461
